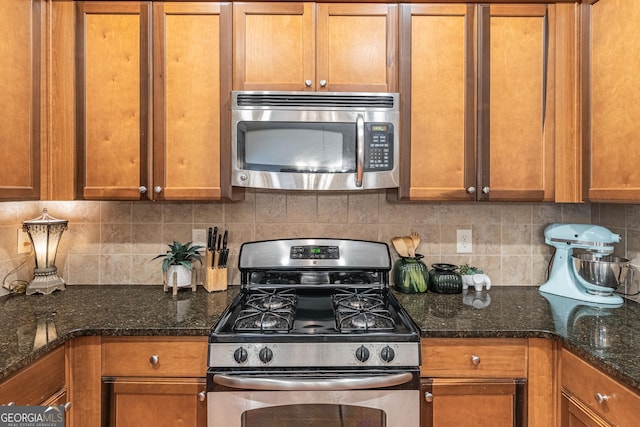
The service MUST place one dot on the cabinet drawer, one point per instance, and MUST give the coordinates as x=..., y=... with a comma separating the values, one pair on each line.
x=37, y=382
x=474, y=358
x=154, y=356
x=584, y=381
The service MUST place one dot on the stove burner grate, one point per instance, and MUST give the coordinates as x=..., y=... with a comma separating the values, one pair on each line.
x=267, y=310
x=361, y=311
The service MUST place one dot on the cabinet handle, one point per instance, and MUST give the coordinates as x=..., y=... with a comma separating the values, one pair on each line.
x=67, y=406
x=485, y=190
x=323, y=83
x=157, y=189
x=154, y=360
x=142, y=189
x=601, y=398
x=202, y=396
x=428, y=397
x=11, y=403
x=307, y=83
x=475, y=360
x=471, y=190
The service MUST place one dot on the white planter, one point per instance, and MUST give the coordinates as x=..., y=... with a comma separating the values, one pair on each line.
x=182, y=276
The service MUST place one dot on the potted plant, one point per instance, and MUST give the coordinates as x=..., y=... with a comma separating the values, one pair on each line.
x=179, y=260
x=474, y=277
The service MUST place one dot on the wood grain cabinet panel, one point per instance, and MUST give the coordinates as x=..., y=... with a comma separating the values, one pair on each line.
x=611, y=125
x=160, y=137
x=314, y=46
x=477, y=83
x=20, y=84
x=592, y=397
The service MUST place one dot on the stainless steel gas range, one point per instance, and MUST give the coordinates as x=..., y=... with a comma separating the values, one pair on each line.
x=314, y=338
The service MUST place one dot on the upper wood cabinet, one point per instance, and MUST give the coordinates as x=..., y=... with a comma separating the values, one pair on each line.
x=314, y=46
x=478, y=91
x=611, y=123
x=20, y=91
x=144, y=137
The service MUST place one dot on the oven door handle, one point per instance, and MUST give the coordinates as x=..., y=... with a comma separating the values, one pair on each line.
x=359, y=150
x=263, y=383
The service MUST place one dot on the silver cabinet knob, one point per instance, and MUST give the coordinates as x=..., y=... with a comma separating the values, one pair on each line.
x=485, y=190
x=142, y=189
x=307, y=83
x=428, y=397
x=67, y=406
x=471, y=190
x=157, y=189
x=323, y=83
x=475, y=360
x=600, y=398
x=154, y=360
x=202, y=396
x=11, y=404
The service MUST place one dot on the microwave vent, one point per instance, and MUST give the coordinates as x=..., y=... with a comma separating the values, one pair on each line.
x=311, y=100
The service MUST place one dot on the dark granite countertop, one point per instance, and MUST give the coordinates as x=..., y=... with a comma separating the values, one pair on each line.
x=36, y=324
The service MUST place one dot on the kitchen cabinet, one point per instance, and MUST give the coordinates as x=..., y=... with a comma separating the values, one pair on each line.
x=592, y=398
x=160, y=380
x=335, y=47
x=478, y=129
x=41, y=383
x=21, y=76
x=163, y=136
x=611, y=60
x=473, y=382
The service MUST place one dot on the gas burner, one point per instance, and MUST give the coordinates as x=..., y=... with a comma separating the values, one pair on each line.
x=361, y=310
x=267, y=310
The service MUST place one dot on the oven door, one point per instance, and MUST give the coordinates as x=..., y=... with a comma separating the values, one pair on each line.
x=376, y=398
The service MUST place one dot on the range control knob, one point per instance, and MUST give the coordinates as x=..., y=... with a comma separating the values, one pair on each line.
x=387, y=354
x=240, y=355
x=265, y=355
x=362, y=354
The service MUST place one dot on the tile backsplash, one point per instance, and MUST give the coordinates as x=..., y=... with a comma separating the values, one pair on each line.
x=113, y=242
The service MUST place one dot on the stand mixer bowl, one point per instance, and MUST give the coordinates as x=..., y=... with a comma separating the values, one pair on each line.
x=601, y=275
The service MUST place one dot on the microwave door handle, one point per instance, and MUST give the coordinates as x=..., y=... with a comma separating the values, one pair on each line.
x=279, y=384
x=359, y=149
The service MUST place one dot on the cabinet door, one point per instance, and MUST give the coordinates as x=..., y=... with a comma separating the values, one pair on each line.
x=274, y=46
x=615, y=101
x=192, y=82
x=516, y=99
x=472, y=402
x=20, y=93
x=154, y=402
x=575, y=414
x=113, y=91
x=437, y=93
x=356, y=45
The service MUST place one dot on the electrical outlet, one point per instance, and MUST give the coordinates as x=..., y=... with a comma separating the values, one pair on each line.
x=464, y=245
x=24, y=244
x=199, y=237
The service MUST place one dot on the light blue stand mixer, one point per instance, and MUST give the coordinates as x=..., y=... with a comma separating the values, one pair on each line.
x=591, y=275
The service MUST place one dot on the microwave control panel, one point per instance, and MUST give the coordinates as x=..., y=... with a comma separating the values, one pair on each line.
x=378, y=149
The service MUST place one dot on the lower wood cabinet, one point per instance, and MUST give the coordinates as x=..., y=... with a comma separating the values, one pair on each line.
x=474, y=382
x=41, y=383
x=592, y=398
x=158, y=381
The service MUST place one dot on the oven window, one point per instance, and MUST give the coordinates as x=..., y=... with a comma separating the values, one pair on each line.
x=297, y=147
x=309, y=415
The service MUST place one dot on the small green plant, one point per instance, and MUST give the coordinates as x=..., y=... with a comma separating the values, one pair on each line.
x=180, y=255
x=466, y=269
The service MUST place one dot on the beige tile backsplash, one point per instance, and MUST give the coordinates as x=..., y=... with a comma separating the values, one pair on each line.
x=113, y=242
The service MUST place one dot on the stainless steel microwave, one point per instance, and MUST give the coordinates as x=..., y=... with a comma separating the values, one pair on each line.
x=315, y=140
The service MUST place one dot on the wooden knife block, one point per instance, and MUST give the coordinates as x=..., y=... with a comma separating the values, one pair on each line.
x=216, y=277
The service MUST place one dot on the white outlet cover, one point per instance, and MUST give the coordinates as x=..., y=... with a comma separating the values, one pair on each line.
x=24, y=244
x=464, y=242
x=199, y=237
